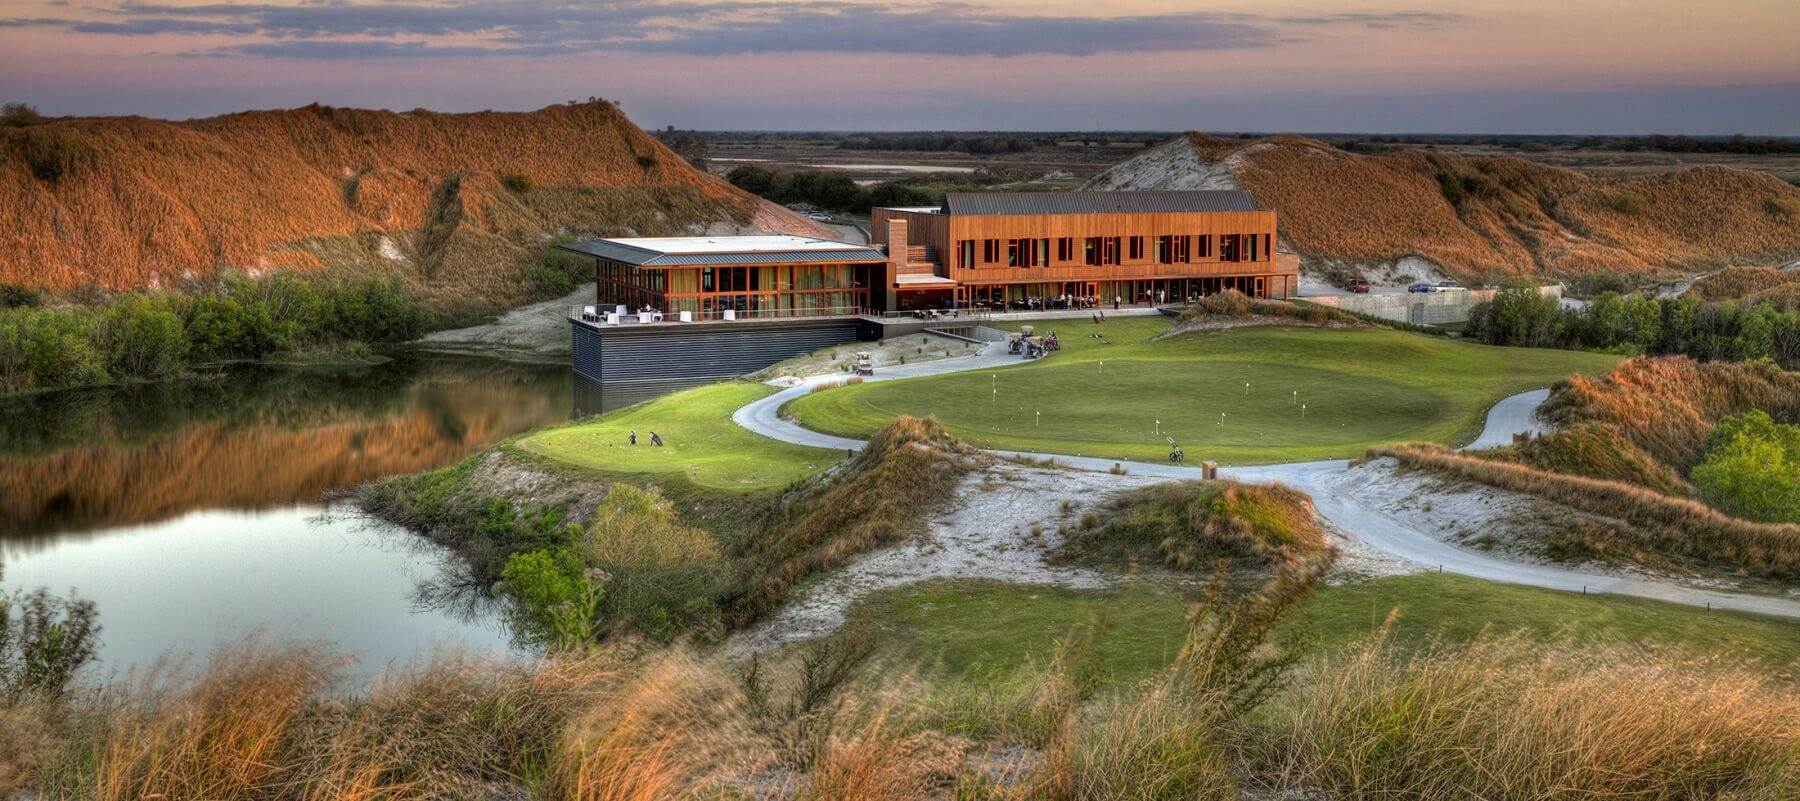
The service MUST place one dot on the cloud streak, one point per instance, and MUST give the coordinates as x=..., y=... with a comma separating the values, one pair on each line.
x=331, y=31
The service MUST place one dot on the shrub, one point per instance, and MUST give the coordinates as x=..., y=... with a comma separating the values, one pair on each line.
x=663, y=576
x=19, y=115
x=16, y=297
x=516, y=182
x=558, y=272
x=141, y=338
x=44, y=642
x=1752, y=468
x=1625, y=202
x=557, y=602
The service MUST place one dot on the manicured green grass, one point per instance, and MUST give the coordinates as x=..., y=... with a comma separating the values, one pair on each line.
x=702, y=443
x=1232, y=396
x=976, y=629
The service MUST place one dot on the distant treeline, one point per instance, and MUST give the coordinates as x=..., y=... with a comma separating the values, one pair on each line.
x=981, y=145
x=1642, y=324
x=833, y=190
x=152, y=335
x=1739, y=143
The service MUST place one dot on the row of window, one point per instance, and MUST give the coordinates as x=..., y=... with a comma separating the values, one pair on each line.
x=1105, y=250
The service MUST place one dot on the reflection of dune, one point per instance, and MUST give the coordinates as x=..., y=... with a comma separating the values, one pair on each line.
x=210, y=465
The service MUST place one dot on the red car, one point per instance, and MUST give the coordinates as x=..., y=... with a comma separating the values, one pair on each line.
x=1359, y=286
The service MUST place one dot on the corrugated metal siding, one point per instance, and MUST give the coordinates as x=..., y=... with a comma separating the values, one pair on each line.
x=1172, y=200
x=699, y=353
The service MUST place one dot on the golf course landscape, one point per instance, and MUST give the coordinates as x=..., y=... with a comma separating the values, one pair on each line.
x=700, y=442
x=1243, y=396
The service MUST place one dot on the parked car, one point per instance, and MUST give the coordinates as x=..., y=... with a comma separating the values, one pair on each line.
x=1448, y=284
x=819, y=215
x=1359, y=286
x=1422, y=286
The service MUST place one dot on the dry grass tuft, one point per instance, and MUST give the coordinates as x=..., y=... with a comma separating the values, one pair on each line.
x=1501, y=720
x=1190, y=524
x=1749, y=284
x=873, y=499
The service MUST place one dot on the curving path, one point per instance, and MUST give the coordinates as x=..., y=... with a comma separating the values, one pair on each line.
x=1384, y=532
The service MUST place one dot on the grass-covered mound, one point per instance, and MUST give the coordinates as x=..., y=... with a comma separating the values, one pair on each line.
x=702, y=444
x=1193, y=524
x=1116, y=389
x=1691, y=457
x=587, y=553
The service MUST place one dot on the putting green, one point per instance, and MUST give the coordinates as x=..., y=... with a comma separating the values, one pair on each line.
x=1238, y=397
x=702, y=442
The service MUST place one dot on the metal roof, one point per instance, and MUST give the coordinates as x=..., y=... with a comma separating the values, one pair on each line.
x=1098, y=202
x=684, y=251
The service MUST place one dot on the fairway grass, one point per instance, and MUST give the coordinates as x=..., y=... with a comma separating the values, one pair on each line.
x=986, y=629
x=702, y=442
x=1234, y=396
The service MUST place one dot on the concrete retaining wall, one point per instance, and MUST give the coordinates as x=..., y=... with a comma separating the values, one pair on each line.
x=1421, y=308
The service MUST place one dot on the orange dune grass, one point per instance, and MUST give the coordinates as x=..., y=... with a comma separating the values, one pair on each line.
x=128, y=202
x=1751, y=285
x=1667, y=406
x=1660, y=523
x=1499, y=216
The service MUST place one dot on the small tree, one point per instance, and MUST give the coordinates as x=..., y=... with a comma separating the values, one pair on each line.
x=44, y=642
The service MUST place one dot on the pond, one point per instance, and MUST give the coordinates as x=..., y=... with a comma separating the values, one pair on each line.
x=198, y=513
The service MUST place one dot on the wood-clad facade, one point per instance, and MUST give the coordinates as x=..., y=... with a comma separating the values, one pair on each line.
x=1134, y=256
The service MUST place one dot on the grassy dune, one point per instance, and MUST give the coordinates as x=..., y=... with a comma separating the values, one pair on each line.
x=445, y=198
x=703, y=443
x=1490, y=216
x=1115, y=397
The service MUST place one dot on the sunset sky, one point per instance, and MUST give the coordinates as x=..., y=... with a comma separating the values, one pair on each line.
x=1505, y=66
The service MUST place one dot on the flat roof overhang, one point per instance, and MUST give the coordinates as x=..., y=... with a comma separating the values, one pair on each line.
x=724, y=252
x=924, y=282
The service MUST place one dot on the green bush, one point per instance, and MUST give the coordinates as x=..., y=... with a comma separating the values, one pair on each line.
x=1752, y=468
x=516, y=182
x=558, y=272
x=233, y=318
x=556, y=601
x=20, y=115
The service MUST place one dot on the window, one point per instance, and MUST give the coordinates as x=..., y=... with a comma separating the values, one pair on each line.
x=706, y=279
x=1136, y=248
x=1012, y=253
x=1203, y=246
x=1109, y=254
x=1090, y=250
x=990, y=251
x=1043, y=252
x=966, y=254
x=1065, y=249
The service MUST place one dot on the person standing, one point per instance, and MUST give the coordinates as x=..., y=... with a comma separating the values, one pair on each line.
x=656, y=439
x=1116, y=300
x=633, y=437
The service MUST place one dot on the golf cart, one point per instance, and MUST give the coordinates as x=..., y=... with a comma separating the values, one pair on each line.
x=865, y=363
x=1175, y=454
x=1018, y=343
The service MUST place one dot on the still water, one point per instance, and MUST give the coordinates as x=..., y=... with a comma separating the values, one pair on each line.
x=199, y=513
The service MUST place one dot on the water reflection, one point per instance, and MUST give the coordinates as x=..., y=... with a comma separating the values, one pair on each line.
x=207, y=579
x=252, y=439
x=196, y=513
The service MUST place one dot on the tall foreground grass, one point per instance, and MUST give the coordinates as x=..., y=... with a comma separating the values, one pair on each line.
x=1498, y=720
x=1502, y=719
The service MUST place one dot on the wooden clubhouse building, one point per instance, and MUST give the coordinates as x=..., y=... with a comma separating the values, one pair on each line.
x=989, y=252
